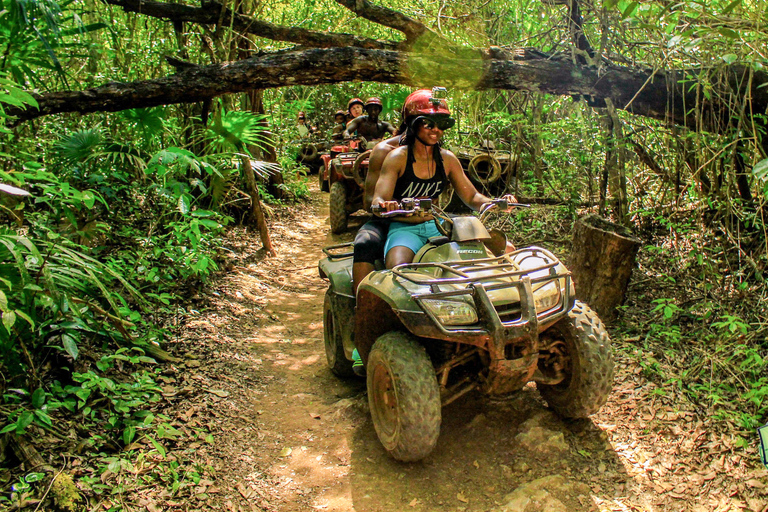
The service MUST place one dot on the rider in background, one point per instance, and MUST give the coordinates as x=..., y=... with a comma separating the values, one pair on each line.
x=354, y=109
x=371, y=237
x=369, y=125
x=340, y=120
x=302, y=127
x=421, y=169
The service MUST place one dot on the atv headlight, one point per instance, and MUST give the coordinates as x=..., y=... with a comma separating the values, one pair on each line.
x=451, y=312
x=546, y=297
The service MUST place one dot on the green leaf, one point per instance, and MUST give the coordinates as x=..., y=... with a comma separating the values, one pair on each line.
x=727, y=32
x=731, y=6
x=3, y=301
x=8, y=428
x=629, y=11
x=9, y=318
x=128, y=435
x=43, y=417
x=89, y=199
x=158, y=447
x=70, y=345
x=34, y=477
x=25, y=316
x=760, y=170
x=729, y=58
x=24, y=421
x=38, y=398
x=184, y=204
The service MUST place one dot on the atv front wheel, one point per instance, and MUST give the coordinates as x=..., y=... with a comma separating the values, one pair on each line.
x=582, y=349
x=338, y=206
x=334, y=348
x=403, y=396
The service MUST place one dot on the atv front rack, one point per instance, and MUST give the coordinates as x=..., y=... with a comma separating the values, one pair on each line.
x=481, y=277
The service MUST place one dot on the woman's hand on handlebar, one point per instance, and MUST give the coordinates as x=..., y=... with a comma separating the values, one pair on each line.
x=510, y=199
x=408, y=207
x=505, y=203
x=384, y=207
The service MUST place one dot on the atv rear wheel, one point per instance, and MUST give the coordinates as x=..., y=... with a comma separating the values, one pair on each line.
x=403, y=396
x=338, y=207
x=323, y=182
x=587, y=361
x=334, y=348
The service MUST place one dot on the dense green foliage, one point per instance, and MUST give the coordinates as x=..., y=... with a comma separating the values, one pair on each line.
x=125, y=211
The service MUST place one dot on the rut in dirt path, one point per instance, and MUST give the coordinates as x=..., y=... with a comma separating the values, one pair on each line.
x=290, y=436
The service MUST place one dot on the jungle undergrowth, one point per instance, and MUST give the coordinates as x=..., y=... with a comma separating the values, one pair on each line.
x=693, y=317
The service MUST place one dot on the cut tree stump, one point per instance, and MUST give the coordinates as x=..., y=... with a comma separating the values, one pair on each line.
x=601, y=262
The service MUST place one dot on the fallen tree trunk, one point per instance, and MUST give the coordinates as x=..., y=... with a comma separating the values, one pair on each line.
x=659, y=95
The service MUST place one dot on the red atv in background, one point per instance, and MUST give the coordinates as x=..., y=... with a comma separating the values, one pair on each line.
x=343, y=174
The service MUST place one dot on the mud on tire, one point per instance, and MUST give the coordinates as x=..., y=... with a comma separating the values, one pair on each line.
x=334, y=349
x=338, y=207
x=589, y=371
x=403, y=396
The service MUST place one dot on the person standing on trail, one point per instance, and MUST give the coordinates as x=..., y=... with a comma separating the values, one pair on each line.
x=420, y=168
x=369, y=125
x=354, y=109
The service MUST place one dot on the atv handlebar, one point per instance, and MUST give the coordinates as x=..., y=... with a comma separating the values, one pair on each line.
x=408, y=206
x=412, y=206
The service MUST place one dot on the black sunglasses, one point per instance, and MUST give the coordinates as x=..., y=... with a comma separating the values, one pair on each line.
x=442, y=123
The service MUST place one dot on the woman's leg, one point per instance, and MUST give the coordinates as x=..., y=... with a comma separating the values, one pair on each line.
x=398, y=255
x=403, y=241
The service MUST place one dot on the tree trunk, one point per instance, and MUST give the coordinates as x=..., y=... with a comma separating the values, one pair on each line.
x=617, y=182
x=473, y=69
x=268, y=154
x=538, y=162
x=601, y=262
x=257, y=212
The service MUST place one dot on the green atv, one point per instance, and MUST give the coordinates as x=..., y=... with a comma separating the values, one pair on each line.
x=463, y=316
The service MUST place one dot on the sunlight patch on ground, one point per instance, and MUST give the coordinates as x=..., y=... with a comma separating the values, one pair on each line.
x=297, y=365
x=305, y=470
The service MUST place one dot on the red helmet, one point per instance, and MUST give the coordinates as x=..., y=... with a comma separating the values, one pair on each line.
x=353, y=101
x=422, y=103
x=301, y=115
x=373, y=101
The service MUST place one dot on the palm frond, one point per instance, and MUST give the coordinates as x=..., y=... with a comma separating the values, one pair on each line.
x=81, y=146
x=126, y=155
x=149, y=120
x=239, y=129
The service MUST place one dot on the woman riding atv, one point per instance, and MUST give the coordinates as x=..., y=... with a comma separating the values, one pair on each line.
x=421, y=168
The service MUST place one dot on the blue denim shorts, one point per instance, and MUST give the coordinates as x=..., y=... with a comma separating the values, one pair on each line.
x=412, y=236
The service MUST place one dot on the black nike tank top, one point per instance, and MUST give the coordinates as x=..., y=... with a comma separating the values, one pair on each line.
x=410, y=185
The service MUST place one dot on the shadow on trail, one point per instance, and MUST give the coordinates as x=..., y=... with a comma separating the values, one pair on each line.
x=479, y=460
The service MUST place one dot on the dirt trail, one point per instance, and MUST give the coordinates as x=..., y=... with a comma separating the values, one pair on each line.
x=290, y=436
